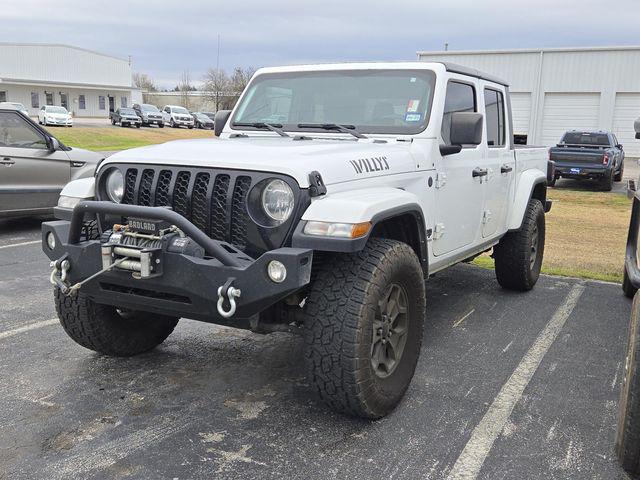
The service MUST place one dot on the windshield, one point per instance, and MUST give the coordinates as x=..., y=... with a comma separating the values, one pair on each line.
x=586, y=138
x=127, y=111
x=373, y=101
x=179, y=110
x=149, y=108
x=56, y=110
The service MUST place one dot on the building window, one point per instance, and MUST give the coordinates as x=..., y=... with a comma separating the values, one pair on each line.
x=3, y=96
x=494, y=110
x=48, y=98
x=461, y=97
x=101, y=102
x=82, y=102
x=123, y=102
x=35, y=100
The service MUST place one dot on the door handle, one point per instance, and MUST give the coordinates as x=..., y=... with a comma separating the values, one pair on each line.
x=506, y=168
x=7, y=161
x=479, y=172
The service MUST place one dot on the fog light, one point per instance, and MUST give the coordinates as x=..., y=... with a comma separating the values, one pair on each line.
x=51, y=241
x=277, y=271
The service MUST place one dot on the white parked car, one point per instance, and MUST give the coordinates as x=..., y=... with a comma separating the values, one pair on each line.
x=17, y=105
x=177, y=116
x=54, y=115
x=331, y=194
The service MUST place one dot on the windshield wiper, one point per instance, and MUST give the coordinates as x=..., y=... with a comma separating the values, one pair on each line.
x=274, y=127
x=351, y=129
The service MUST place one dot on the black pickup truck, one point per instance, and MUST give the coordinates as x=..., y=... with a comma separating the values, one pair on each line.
x=588, y=155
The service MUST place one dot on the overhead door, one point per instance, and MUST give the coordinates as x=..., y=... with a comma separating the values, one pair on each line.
x=521, y=110
x=626, y=110
x=567, y=111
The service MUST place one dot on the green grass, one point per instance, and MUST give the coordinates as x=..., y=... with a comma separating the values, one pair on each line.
x=109, y=138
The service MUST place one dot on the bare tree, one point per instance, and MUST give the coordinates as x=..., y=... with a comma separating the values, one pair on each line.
x=216, y=81
x=144, y=82
x=185, y=87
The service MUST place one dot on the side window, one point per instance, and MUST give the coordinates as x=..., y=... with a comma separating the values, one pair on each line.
x=15, y=132
x=3, y=96
x=82, y=102
x=494, y=113
x=35, y=100
x=123, y=102
x=101, y=102
x=461, y=97
x=48, y=98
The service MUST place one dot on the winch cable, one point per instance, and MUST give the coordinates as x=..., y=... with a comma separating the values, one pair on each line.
x=73, y=289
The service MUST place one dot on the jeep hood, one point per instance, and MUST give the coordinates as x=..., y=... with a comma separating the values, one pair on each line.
x=337, y=160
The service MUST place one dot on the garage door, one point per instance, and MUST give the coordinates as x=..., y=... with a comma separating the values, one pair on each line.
x=521, y=108
x=567, y=111
x=626, y=110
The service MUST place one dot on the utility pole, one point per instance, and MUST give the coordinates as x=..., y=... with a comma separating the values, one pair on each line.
x=446, y=47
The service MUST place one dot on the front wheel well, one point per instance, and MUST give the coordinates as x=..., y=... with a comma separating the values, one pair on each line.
x=407, y=228
x=540, y=192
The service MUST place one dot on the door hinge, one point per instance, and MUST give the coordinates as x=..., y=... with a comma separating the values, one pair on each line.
x=438, y=231
x=441, y=179
x=486, y=216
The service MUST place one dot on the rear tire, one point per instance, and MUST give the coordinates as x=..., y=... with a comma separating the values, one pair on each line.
x=606, y=183
x=628, y=433
x=618, y=177
x=518, y=255
x=362, y=308
x=103, y=329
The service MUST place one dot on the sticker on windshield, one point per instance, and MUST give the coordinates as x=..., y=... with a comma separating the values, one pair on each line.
x=413, y=106
x=412, y=117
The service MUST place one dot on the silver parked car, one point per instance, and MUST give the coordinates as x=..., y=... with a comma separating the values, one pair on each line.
x=34, y=166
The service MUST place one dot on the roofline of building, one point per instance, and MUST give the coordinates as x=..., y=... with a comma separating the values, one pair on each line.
x=13, y=44
x=45, y=83
x=530, y=50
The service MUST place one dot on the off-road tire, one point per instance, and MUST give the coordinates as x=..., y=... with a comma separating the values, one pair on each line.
x=628, y=433
x=513, y=254
x=103, y=329
x=113, y=122
x=618, y=177
x=627, y=287
x=338, y=323
x=173, y=124
x=606, y=182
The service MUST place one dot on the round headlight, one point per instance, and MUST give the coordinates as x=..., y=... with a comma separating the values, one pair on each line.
x=115, y=186
x=277, y=200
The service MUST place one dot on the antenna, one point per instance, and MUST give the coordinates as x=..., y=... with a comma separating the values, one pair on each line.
x=218, y=56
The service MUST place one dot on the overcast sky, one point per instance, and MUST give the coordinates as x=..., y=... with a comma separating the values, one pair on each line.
x=165, y=38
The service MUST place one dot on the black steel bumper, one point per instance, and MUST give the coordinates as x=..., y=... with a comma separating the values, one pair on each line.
x=581, y=171
x=631, y=253
x=188, y=285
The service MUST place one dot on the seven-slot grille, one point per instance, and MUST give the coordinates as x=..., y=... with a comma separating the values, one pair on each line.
x=213, y=201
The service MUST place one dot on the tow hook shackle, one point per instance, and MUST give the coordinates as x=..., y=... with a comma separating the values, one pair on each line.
x=230, y=293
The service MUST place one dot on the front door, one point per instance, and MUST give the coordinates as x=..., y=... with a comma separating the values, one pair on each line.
x=500, y=165
x=64, y=100
x=459, y=194
x=31, y=176
x=112, y=104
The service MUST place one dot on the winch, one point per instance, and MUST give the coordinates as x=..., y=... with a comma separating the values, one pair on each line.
x=137, y=246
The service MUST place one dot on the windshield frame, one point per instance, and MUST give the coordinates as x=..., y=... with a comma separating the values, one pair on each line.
x=364, y=129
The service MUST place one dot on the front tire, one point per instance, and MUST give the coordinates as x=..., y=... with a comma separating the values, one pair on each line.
x=628, y=433
x=103, y=329
x=518, y=255
x=363, y=325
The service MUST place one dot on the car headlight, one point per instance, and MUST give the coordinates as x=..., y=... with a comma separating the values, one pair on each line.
x=115, y=186
x=278, y=200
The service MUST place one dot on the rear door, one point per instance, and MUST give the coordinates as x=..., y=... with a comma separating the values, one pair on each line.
x=31, y=176
x=459, y=194
x=500, y=161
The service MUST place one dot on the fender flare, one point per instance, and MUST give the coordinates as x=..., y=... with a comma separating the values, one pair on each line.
x=529, y=180
x=81, y=188
x=356, y=206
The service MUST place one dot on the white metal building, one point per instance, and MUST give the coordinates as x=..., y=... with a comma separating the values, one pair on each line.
x=556, y=89
x=88, y=83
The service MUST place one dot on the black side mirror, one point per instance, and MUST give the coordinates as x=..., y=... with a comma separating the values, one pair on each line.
x=619, y=146
x=53, y=144
x=466, y=128
x=220, y=120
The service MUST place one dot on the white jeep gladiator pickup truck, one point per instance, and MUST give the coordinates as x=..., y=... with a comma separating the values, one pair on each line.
x=331, y=194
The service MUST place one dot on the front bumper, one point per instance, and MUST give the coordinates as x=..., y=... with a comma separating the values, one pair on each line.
x=183, y=122
x=188, y=285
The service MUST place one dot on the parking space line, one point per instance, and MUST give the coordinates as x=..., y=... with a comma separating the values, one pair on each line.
x=33, y=242
x=475, y=452
x=26, y=328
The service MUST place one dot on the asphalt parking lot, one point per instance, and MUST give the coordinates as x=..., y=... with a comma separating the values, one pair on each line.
x=509, y=386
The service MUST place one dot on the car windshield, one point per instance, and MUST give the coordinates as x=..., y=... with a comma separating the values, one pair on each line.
x=586, y=138
x=149, y=108
x=127, y=111
x=179, y=110
x=372, y=101
x=51, y=109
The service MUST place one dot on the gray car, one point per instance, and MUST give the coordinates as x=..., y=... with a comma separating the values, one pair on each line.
x=34, y=166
